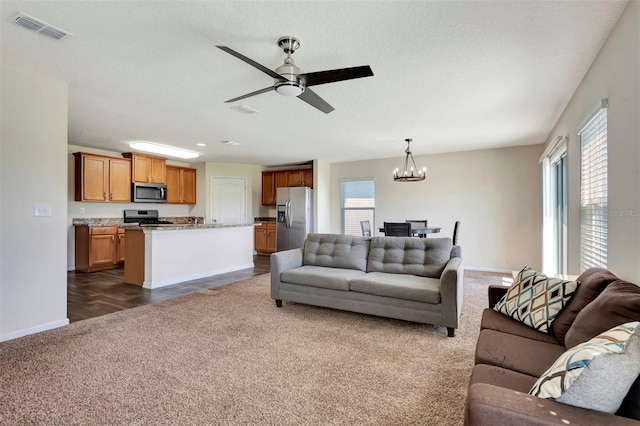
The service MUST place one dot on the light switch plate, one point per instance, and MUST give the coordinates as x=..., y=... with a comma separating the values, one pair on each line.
x=42, y=209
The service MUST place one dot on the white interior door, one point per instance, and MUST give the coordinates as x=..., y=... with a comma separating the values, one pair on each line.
x=229, y=200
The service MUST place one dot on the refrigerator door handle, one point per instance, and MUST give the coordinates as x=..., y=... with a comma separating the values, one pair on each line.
x=289, y=219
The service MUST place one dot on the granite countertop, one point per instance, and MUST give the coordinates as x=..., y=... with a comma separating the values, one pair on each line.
x=188, y=226
x=263, y=219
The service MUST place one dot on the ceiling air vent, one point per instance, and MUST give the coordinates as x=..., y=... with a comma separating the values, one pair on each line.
x=35, y=25
x=244, y=109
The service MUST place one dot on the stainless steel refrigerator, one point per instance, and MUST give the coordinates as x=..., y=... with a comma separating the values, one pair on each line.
x=294, y=217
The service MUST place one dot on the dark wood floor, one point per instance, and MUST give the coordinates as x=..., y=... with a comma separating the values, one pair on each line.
x=98, y=293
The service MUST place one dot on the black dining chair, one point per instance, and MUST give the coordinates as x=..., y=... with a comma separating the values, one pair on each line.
x=456, y=228
x=365, y=225
x=397, y=229
x=417, y=224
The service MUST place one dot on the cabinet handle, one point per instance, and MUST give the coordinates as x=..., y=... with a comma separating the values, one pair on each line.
x=113, y=240
x=104, y=195
x=148, y=178
x=111, y=195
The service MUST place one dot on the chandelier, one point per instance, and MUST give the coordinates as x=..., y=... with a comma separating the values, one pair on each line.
x=410, y=172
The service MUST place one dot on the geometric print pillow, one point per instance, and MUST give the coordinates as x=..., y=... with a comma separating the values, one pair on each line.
x=535, y=299
x=596, y=374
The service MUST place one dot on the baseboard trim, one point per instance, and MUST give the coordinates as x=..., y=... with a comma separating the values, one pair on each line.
x=33, y=330
x=71, y=268
x=477, y=268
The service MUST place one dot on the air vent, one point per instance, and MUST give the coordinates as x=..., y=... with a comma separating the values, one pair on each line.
x=35, y=25
x=244, y=109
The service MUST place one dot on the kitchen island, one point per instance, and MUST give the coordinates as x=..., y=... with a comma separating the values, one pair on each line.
x=157, y=256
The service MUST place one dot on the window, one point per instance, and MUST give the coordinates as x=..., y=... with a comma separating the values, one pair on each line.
x=554, y=237
x=593, y=191
x=358, y=203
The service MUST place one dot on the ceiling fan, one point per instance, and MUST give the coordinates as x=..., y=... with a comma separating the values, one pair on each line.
x=289, y=80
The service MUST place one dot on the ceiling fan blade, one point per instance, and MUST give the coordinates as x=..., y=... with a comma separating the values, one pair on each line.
x=310, y=97
x=248, y=95
x=251, y=62
x=331, y=76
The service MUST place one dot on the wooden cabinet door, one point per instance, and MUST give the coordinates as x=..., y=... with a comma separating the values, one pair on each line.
x=188, y=186
x=95, y=172
x=268, y=189
x=281, y=179
x=173, y=185
x=141, y=167
x=120, y=246
x=158, y=170
x=102, y=249
x=260, y=238
x=271, y=237
x=120, y=180
x=295, y=178
x=307, y=178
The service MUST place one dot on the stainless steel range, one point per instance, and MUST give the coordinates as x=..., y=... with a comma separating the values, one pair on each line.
x=144, y=217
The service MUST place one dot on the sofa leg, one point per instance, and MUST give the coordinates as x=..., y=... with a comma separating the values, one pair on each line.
x=279, y=303
x=451, y=331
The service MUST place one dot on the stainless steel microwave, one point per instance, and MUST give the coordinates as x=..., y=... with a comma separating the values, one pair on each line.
x=148, y=193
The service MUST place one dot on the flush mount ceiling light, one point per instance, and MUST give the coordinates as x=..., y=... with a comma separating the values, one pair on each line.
x=157, y=148
x=201, y=144
x=410, y=172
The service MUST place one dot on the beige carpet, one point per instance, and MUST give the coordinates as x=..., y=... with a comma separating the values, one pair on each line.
x=229, y=356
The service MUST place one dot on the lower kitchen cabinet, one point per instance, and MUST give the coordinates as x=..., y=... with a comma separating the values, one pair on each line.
x=265, y=238
x=98, y=248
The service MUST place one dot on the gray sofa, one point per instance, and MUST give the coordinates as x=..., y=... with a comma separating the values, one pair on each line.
x=408, y=278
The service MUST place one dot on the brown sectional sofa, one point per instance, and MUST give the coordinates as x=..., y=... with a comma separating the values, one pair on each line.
x=510, y=357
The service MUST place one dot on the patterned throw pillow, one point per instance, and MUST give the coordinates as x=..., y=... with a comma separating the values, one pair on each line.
x=596, y=374
x=535, y=299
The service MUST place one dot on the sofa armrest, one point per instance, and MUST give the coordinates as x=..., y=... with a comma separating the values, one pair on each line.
x=493, y=405
x=451, y=290
x=280, y=262
x=495, y=293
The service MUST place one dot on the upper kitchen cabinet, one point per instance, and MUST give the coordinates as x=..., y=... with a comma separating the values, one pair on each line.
x=101, y=178
x=272, y=180
x=303, y=177
x=147, y=168
x=181, y=185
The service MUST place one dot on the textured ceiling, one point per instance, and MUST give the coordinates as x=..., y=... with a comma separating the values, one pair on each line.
x=452, y=75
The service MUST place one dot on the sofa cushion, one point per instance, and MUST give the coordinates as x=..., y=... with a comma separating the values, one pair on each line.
x=516, y=353
x=596, y=374
x=618, y=303
x=320, y=276
x=535, y=299
x=336, y=251
x=492, y=375
x=408, y=287
x=496, y=321
x=425, y=257
x=592, y=282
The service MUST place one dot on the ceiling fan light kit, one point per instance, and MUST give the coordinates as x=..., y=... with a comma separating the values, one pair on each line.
x=289, y=80
x=410, y=172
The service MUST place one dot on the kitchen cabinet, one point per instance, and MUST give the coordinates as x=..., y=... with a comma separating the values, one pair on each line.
x=268, y=189
x=101, y=178
x=302, y=177
x=265, y=238
x=181, y=185
x=147, y=168
x=272, y=180
x=98, y=248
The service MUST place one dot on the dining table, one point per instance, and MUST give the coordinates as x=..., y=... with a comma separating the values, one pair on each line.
x=420, y=231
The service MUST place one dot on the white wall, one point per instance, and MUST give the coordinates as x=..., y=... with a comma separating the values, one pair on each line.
x=108, y=210
x=615, y=74
x=33, y=169
x=495, y=193
x=322, y=196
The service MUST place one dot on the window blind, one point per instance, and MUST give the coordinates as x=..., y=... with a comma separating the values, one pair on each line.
x=593, y=188
x=358, y=203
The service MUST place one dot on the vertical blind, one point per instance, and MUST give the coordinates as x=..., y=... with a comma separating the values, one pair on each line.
x=593, y=192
